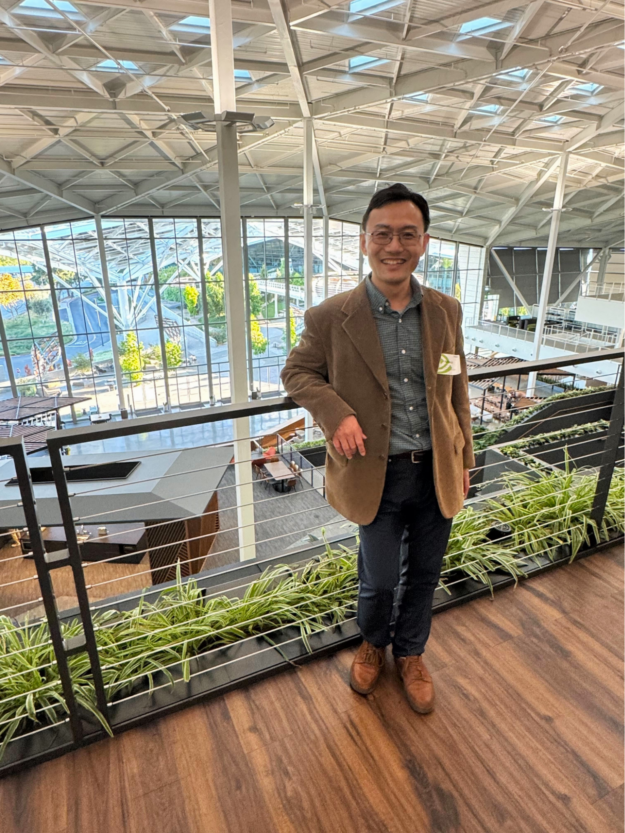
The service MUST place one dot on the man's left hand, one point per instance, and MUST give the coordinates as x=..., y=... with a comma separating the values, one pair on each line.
x=465, y=482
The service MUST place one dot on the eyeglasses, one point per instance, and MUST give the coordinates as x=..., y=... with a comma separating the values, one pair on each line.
x=383, y=238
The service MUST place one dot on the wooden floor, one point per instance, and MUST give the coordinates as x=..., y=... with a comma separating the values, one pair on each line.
x=526, y=738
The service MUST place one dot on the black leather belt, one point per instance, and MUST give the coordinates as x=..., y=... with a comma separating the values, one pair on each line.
x=413, y=456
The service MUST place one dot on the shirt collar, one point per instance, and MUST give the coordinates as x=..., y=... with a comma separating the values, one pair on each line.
x=377, y=299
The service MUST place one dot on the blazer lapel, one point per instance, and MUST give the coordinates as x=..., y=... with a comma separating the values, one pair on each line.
x=433, y=328
x=361, y=328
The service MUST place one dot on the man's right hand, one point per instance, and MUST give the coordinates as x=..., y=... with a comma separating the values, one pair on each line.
x=349, y=438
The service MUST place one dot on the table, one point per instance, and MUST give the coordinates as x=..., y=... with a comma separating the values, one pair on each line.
x=280, y=473
x=97, y=418
x=127, y=540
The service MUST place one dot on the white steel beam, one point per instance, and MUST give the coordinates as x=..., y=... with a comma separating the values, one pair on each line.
x=528, y=193
x=45, y=186
x=519, y=27
x=294, y=64
x=222, y=56
x=558, y=202
x=308, y=212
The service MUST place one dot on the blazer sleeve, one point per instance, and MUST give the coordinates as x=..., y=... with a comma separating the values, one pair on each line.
x=460, y=398
x=305, y=378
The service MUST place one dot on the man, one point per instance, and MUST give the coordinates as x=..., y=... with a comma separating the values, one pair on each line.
x=381, y=368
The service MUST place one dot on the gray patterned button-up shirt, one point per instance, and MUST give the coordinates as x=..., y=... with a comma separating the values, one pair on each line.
x=400, y=337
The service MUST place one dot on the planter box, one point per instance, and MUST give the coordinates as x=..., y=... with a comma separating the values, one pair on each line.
x=248, y=661
x=315, y=456
x=564, y=413
x=586, y=450
x=488, y=475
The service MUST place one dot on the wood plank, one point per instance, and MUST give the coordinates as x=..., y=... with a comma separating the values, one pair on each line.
x=36, y=800
x=160, y=809
x=98, y=801
x=611, y=807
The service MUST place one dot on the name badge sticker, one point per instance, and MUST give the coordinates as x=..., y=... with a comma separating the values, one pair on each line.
x=449, y=365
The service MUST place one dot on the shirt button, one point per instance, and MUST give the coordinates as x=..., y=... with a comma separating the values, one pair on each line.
x=411, y=408
x=400, y=320
x=403, y=352
x=416, y=435
x=381, y=309
x=405, y=380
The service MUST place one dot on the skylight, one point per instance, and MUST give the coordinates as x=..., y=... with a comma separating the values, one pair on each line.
x=553, y=119
x=111, y=66
x=242, y=75
x=419, y=97
x=193, y=23
x=372, y=5
x=364, y=62
x=515, y=74
x=587, y=89
x=41, y=8
x=488, y=108
x=481, y=23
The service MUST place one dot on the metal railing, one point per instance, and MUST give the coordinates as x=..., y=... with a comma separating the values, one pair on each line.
x=160, y=611
x=606, y=291
x=579, y=342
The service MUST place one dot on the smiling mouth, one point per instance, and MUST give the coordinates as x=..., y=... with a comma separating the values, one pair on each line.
x=393, y=261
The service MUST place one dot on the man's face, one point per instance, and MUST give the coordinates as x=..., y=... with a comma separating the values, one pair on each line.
x=393, y=261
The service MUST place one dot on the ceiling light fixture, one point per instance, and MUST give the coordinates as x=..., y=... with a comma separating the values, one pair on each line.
x=245, y=122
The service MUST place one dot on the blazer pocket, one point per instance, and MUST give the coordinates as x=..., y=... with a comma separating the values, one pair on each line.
x=339, y=459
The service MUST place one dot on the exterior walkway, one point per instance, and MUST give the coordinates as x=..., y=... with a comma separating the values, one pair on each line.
x=526, y=738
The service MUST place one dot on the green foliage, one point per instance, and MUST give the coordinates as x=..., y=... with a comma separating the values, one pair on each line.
x=166, y=273
x=308, y=444
x=295, y=279
x=23, y=328
x=259, y=342
x=171, y=293
x=40, y=306
x=30, y=685
x=548, y=511
x=256, y=298
x=215, y=297
x=81, y=363
x=293, y=330
x=131, y=357
x=173, y=353
x=152, y=355
x=191, y=298
x=517, y=449
x=5, y=260
x=473, y=554
x=487, y=438
x=219, y=332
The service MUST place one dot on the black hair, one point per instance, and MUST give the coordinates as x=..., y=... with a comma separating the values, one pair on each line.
x=398, y=193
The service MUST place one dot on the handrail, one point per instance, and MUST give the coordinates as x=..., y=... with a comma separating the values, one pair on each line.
x=201, y=416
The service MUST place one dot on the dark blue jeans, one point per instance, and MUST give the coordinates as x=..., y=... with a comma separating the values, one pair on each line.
x=407, y=537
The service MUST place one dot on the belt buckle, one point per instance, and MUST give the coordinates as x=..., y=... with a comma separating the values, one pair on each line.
x=412, y=457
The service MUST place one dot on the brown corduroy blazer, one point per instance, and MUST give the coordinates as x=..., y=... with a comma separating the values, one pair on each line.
x=338, y=369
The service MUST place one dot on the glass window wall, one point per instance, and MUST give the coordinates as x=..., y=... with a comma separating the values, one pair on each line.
x=169, y=304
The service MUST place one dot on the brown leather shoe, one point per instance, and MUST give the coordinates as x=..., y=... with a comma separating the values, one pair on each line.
x=366, y=668
x=418, y=684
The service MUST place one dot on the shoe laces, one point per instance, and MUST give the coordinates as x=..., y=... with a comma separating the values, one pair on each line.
x=370, y=655
x=413, y=669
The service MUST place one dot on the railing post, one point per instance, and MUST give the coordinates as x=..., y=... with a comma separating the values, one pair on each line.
x=71, y=557
x=610, y=454
x=43, y=567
